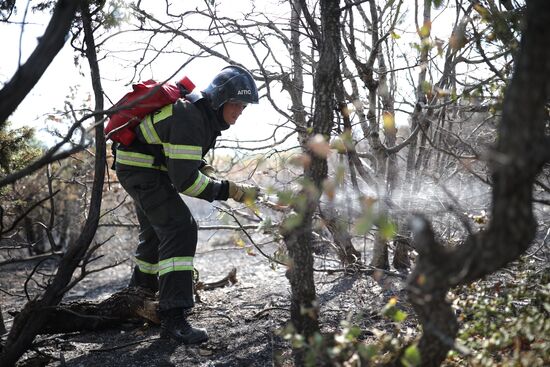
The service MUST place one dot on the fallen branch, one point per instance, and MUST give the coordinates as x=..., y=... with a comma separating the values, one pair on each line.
x=231, y=278
x=120, y=346
x=128, y=305
x=31, y=258
x=266, y=310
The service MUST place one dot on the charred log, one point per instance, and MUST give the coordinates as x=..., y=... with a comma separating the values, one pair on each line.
x=130, y=305
x=127, y=306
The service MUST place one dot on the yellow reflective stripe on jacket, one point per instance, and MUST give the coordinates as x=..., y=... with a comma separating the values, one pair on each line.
x=198, y=186
x=147, y=125
x=175, y=264
x=148, y=131
x=146, y=267
x=163, y=113
x=191, y=152
x=137, y=159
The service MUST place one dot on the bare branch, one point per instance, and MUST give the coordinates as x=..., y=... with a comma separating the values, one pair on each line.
x=50, y=44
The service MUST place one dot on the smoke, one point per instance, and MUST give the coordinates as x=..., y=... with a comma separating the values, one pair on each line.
x=450, y=204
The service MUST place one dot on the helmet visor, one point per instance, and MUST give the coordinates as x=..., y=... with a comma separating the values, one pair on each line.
x=236, y=101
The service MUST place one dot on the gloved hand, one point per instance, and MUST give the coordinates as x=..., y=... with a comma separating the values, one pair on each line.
x=209, y=171
x=241, y=192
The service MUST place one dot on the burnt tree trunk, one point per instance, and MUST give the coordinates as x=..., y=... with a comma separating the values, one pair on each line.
x=380, y=258
x=347, y=254
x=2, y=325
x=402, y=242
x=295, y=84
x=417, y=117
x=401, y=259
x=304, y=312
x=35, y=313
x=521, y=151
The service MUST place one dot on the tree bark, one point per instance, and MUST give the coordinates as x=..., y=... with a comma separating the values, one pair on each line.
x=417, y=117
x=347, y=254
x=35, y=313
x=521, y=151
x=296, y=87
x=28, y=74
x=401, y=259
x=2, y=325
x=304, y=311
x=380, y=258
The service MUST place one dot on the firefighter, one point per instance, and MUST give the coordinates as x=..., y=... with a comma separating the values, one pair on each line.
x=167, y=159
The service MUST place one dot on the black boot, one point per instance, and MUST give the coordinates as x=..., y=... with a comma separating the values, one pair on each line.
x=174, y=325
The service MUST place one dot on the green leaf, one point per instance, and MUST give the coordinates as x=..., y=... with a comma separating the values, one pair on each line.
x=391, y=311
x=297, y=341
x=426, y=87
x=411, y=357
x=395, y=36
x=286, y=197
x=239, y=242
x=399, y=316
x=363, y=224
x=291, y=222
x=388, y=229
x=437, y=3
x=266, y=224
x=367, y=351
x=425, y=29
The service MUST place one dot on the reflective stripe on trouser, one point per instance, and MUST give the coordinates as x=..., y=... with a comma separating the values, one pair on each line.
x=146, y=253
x=168, y=237
x=145, y=267
x=137, y=160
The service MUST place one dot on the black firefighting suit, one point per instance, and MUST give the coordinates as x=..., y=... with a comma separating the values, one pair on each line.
x=162, y=162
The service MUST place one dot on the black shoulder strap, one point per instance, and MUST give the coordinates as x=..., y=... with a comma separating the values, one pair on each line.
x=114, y=147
